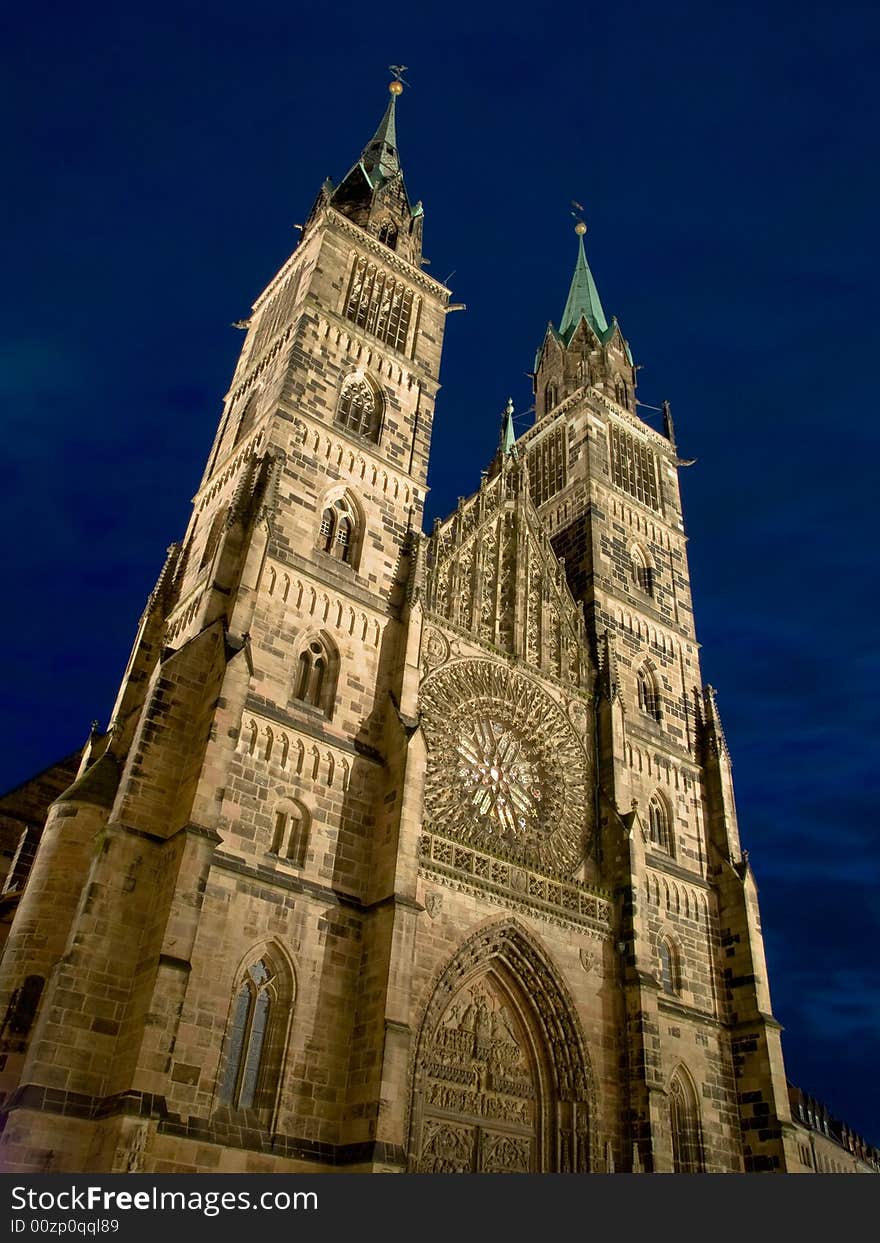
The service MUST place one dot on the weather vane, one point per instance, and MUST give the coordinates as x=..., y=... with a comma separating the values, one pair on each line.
x=398, y=71
x=580, y=228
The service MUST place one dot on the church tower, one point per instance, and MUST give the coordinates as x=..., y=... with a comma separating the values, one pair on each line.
x=401, y=852
x=243, y=804
x=692, y=968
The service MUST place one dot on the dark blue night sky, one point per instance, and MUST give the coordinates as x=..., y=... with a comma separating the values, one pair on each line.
x=727, y=157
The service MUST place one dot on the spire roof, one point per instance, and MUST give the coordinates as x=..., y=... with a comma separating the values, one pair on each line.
x=380, y=157
x=377, y=169
x=379, y=161
x=583, y=300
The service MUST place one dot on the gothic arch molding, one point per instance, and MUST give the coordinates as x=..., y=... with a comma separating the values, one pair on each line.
x=500, y=1065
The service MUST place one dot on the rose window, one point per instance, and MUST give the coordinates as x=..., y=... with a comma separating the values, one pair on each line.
x=506, y=769
x=502, y=779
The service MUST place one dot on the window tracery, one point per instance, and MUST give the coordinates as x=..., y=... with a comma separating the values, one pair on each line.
x=359, y=408
x=314, y=682
x=379, y=304
x=255, y=1036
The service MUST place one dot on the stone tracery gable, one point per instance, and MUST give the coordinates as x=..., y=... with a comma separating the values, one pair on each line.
x=501, y=1080
x=506, y=769
x=490, y=570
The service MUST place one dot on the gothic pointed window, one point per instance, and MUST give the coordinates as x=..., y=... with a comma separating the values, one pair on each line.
x=649, y=699
x=684, y=1121
x=668, y=963
x=255, y=1036
x=643, y=571
x=658, y=824
x=550, y=397
x=315, y=675
x=359, y=408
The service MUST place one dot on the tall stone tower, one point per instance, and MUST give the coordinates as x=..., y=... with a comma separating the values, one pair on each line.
x=401, y=852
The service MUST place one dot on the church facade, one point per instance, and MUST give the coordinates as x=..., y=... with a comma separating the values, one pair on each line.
x=402, y=852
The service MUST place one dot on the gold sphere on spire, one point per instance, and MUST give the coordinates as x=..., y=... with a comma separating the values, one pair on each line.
x=580, y=228
x=396, y=87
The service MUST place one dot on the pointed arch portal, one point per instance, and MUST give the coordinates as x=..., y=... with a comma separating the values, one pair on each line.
x=501, y=1080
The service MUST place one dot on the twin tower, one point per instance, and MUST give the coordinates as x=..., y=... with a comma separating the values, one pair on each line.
x=402, y=852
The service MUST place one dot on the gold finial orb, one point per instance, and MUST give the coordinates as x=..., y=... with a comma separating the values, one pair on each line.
x=580, y=228
x=396, y=87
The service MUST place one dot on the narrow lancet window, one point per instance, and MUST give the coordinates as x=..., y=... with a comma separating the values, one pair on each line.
x=649, y=699
x=684, y=1122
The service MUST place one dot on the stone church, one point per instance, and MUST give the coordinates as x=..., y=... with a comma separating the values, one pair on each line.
x=402, y=852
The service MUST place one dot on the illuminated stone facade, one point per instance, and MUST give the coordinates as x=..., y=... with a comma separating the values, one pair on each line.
x=401, y=852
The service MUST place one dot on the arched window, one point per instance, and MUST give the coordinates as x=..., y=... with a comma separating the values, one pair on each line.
x=359, y=408
x=550, y=397
x=658, y=824
x=338, y=532
x=668, y=962
x=256, y=1036
x=388, y=235
x=649, y=699
x=643, y=571
x=315, y=675
x=291, y=832
x=684, y=1122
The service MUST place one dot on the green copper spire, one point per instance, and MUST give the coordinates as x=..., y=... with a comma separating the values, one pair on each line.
x=583, y=298
x=508, y=435
x=380, y=158
x=372, y=192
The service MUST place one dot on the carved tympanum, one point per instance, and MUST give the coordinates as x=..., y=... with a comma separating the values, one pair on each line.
x=479, y=1104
